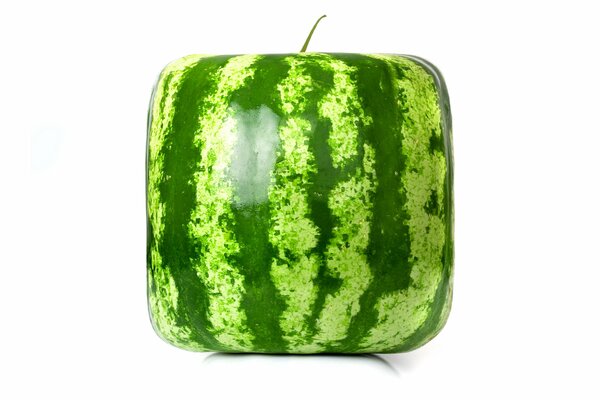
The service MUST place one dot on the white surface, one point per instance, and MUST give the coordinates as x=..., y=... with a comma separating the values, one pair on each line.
x=75, y=83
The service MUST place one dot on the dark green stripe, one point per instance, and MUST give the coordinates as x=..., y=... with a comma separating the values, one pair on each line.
x=349, y=201
x=389, y=242
x=179, y=197
x=323, y=182
x=403, y=312
x=262, y=303
x=163, y=296
x=212, y=224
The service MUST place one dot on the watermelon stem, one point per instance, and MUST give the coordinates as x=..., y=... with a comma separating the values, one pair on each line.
x=310, y=34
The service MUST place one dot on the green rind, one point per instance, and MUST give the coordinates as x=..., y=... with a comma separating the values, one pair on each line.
x=262, y=301
x=389, y=241
x=281, y=168
x=350, y=204
x=178, y=194
x=442, y=303
x=402, y=313
x=293, y=234
x=212, y=222
x=163, y=295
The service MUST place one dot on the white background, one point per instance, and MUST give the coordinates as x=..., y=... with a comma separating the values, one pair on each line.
x=75, y=80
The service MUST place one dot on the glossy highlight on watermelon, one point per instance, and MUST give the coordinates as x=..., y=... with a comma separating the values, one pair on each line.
x=299, y=203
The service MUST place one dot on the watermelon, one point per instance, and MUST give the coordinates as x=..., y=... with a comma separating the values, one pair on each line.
x=299, y=203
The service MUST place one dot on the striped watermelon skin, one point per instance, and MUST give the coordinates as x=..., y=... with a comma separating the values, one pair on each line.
x=299, y=203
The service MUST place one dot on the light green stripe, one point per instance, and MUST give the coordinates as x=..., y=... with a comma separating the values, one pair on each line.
x=350, y=204
x=402, y=312
x=163, y=301
x=212, y=218
x=336, y=106
x=292, y=233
